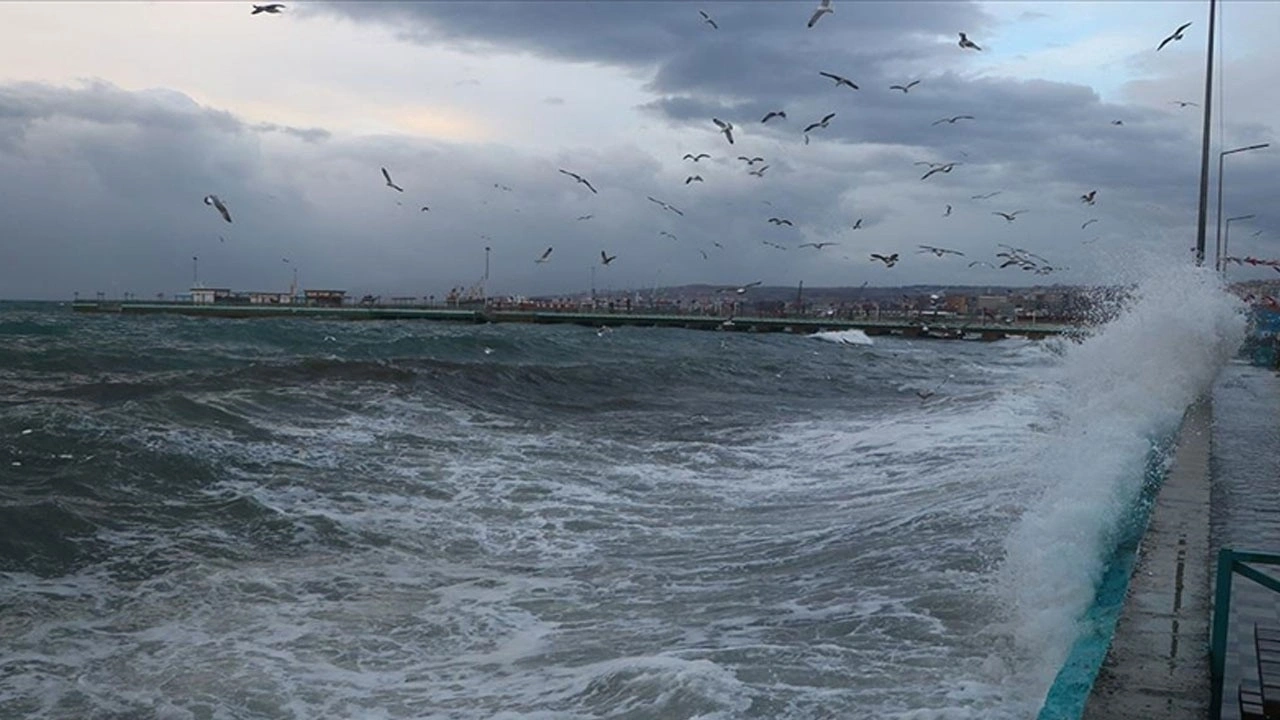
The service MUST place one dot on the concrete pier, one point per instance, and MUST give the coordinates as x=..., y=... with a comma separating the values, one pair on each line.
x=947, y=329
x=1158, y=663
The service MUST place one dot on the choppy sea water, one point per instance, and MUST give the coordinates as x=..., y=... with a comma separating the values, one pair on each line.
x=298, y=519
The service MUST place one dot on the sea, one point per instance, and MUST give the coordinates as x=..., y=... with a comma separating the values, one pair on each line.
x=223, y=519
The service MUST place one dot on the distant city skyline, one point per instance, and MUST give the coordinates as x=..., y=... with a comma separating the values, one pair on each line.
x=118, y=120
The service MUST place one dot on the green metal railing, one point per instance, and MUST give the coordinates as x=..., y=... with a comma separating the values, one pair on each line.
x=1231, y=563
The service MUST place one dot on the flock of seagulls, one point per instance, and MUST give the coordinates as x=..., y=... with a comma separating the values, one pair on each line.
x=1009, y=257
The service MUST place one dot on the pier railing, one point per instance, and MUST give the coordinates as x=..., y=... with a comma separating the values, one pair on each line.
x=1231, y=563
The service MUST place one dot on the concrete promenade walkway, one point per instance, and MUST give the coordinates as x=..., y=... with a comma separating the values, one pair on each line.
x=1158, y=662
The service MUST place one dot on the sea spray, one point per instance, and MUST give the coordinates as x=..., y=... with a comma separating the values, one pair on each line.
x=1116, y=394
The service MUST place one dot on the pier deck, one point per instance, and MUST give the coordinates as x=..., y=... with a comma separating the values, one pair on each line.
x=950, y=328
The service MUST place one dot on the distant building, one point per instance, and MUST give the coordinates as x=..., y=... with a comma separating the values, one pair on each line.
x=269, y=298
x=327, y=298
x=209, y=296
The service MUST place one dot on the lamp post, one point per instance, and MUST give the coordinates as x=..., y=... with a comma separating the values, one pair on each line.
x=486, y=276
x=1220, y=251
x=1204, y=190
x=1226, y=238
x=195, y=271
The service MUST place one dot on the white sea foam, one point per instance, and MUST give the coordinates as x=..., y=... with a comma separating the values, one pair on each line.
x=844, y=337
x=1118, y=391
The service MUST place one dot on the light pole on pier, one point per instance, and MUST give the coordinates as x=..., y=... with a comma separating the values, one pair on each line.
x=1204, y=141
x=1226, y=238
x=486, y=275
x=195, y=271
x=1218, y=264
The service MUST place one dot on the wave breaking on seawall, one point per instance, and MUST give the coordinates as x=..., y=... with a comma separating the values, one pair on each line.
x=1112, y=399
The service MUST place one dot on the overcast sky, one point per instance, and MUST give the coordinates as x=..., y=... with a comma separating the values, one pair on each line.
x=116, y=119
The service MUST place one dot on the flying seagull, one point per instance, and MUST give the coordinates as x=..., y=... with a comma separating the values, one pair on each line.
x=1089, y=222
x=987, y=196
x=1177, y=35
x=839, y=80
x=817, y=245
x=695, y=158
x=940, y=169
x=272, y=9
x=673, y=237
x=760, y=172
x=580, y=179
x=726, y=128
x=705, y=256
x=216, y=202
x=707, y=19
x=938, y=251
x=544, y=257
x=1183, y=103
x=821, y=123
x=691, y=178
x=952, y=120
x=948, y=212
x=1087, y=198
x=742, y=289
x=750, y=160
x=780, y=221
x=858, y=225
x=665, y=206
x=391, y=184
x=424, y=209
x=776, y=113
x=585, y=217
x=982, y=262
x=965, y=42
x=1117, y=122
x=1009, y=217
x=905, y=88
x=888, y=260
x=606, y=259
x=501, y=187
x=824, y=7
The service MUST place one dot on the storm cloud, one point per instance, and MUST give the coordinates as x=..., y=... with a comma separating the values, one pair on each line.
x=101, y=185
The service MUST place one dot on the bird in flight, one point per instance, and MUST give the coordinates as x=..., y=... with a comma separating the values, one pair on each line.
x=1177, y=35
x=940, y=169
x=952, y=120
x=821, y=123
x=773, y=245
x=905, y=88
x=987, y=196
x=858, y=225
x=1117, y=122
x=1087, y=198
x=580, y=179
x=606, y=259
x=773, y=114
x=938, y=251
x=272, y=9
x=817, y=245
x=501, y=187
x=665, y=206
x=585, y=217
x=982, y=262
x=695, y=158
x=839, y=80
x=692, y=178
x=707, y=19
x=673, y=237
x=1009, y=217
x=780, y=221
x=1088, y=222
x=750, y=160
x=965, y=42
x=1183, y=103
x=424, y=209
x=544, y=257
x=824, y=7
x=216, y=202
x=888, y=260
x=726, y=128
x=390, y=183
x=760, y=172
x=948, y=212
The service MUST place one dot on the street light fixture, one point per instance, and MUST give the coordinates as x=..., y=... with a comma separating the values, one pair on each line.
x=1220, y=250
x=1226, y=239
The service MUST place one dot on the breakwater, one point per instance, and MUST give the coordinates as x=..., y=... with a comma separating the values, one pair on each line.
x=940, y=328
